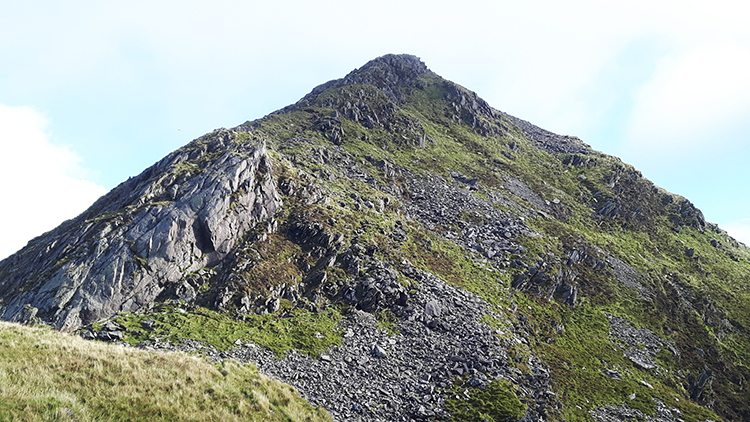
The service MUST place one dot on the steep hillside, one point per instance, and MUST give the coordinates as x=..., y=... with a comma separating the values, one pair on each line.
x=397, y=249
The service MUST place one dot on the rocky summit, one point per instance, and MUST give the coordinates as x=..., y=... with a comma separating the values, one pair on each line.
x=398, y=250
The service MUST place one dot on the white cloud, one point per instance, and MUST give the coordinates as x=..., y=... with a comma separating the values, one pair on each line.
x=39, y=187
x=691, y=99
x=740, y=230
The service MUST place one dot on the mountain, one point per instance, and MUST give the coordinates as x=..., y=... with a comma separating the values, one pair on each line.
x=397, y=249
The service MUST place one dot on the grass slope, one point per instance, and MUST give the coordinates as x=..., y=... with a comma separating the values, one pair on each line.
x=46, y=376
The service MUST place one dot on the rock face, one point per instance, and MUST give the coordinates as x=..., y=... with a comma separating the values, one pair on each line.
x=184, y=213
x=460, y=247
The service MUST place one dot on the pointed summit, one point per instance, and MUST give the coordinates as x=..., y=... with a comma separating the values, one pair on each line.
x=403, y=64
x=389, y=73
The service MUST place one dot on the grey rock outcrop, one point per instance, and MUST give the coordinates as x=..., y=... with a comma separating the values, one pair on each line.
x=641, y=344
x=388, y=73
x=184, y=213
x=624, y=413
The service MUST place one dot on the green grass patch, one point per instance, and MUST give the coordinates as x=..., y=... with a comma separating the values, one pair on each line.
x=496, y=402
x=49, y=376
x=301, y=330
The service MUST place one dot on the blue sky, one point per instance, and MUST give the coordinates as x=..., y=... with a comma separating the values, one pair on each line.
x=94, y=92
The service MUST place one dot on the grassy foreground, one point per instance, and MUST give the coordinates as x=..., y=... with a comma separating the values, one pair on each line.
x=46, y=376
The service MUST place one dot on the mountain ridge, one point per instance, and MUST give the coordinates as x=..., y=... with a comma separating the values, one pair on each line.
x=393, y=199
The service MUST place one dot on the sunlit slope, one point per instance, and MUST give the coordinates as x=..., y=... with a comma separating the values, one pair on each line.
x=46, y=375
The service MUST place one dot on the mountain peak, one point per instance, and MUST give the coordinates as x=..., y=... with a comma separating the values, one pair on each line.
x=392, y=68
x=389, y=73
